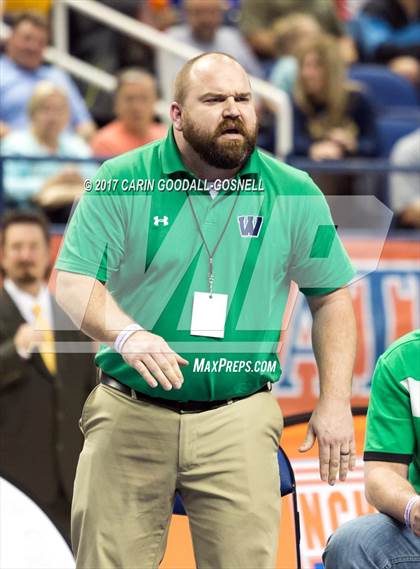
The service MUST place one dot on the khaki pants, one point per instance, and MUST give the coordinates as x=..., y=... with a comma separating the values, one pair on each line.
x=136, y=455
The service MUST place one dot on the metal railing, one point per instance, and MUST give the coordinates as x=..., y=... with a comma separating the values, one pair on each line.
x=379, y=166
x=279, y=101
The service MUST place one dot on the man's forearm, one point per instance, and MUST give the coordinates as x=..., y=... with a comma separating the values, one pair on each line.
x=90, y=306
x=93, y=310
x=388, y=491
x=334, y=344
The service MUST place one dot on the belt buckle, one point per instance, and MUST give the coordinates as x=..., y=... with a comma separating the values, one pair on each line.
x=187, y=412
x=133, y=394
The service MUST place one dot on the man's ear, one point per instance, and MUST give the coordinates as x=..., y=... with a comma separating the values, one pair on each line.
x=176, y=116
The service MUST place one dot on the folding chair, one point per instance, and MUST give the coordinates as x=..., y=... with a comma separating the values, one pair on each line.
x=287, y=486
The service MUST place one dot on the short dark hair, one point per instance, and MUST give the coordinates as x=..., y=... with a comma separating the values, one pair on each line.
x=32, y=17
x=183, y=76
x=15, y=216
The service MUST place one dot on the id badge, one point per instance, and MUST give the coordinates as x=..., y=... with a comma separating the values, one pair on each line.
x=209, y=314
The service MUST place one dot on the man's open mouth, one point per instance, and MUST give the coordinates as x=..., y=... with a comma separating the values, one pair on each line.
x=231, y=130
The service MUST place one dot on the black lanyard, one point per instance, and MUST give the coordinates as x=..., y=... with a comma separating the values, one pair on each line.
x=211, y=254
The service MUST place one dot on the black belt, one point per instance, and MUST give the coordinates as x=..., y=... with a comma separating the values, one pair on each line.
x=178, y=406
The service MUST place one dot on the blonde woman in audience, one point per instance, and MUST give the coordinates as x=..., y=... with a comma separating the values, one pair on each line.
x=333, y=117
x=290, y=32
x=50, y=184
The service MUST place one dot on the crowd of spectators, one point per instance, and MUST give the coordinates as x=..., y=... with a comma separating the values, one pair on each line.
x=51, y=140
x=306, y=49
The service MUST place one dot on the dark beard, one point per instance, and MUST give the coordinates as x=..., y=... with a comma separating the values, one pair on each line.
x=25, y=277
x=225, y=155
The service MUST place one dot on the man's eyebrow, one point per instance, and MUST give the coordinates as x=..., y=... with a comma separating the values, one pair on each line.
x=210, y=95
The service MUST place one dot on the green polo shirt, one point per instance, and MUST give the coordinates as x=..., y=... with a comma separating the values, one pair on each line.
x=136, y=232
x=393, y=419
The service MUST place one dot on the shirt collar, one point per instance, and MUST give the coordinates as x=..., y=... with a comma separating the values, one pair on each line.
x=20, y=295
x=172, y=162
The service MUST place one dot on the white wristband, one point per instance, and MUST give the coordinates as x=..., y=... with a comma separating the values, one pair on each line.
x=408, y=509
x=124, y=335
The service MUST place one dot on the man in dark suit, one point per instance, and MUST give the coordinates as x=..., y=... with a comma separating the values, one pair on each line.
x=44, y=376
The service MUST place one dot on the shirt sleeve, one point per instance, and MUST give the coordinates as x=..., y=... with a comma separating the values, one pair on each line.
x=390, y=435
x=94, y=241
x=319, y=262
x=77, y=147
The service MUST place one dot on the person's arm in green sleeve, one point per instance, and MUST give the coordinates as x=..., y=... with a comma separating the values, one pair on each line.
x=389, y=448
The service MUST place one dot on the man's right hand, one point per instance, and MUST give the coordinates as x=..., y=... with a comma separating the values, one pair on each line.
x=154, y=360
x=26, y=338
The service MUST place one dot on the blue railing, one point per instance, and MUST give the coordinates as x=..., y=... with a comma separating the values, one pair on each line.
x=55, y=159
x=357, y=166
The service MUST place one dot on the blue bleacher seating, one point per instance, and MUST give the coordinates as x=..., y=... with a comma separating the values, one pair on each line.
x=388, y=90
x=391, y=128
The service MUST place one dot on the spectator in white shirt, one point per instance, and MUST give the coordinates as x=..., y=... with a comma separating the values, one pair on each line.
x=405, y=186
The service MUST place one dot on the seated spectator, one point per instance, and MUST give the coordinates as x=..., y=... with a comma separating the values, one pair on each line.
x=333, y=119
x=289, y=33
x=135, y=100
x=204, y=30
x=405, y=186
x=50, y=184
x=22, y=68
x=391, y=538
x=257, y=19
x=388, y=31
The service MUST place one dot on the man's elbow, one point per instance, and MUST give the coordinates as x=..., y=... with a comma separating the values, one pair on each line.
x=72, y=293
x=63, y=288
x=368, y=493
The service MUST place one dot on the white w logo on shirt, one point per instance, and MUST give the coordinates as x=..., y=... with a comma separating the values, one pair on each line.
x=413, y=387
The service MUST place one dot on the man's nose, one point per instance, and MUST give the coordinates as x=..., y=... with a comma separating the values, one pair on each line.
x=25, y=255
x=231, y=108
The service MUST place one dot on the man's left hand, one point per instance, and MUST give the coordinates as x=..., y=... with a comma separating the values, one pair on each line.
x=332, y=424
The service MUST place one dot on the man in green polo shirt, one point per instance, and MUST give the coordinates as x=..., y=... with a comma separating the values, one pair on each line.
x=392, y=469
x=197, y=238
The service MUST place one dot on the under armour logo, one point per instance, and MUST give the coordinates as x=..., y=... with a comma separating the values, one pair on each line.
x=160, y=220
x=250, y=225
